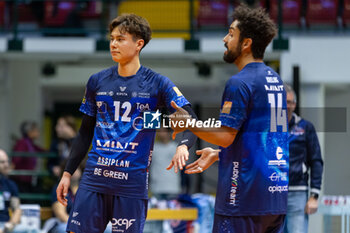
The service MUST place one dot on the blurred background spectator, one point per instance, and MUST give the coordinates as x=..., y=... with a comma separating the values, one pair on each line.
x=8, y=198
x=30, y=132
x=66, y=130
x=164, y=184
x=58, y=223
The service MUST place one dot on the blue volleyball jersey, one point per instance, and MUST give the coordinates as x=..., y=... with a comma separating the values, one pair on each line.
x=253, y=170
x=121, y=151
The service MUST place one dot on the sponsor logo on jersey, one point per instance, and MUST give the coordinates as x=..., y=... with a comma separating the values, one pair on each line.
x=101, y=107
x=104, y=125
x=177, y=91
x=111, y=174
x=226, y=107
x=278, y=188
x=84, y=98
x=151, y=120
x=116, y=146
x=137, y=123
x=142, y=107
x=75, y=222
x=121, y=222
x=112, y=162
x=279, y=162
x=277, y=176
x=75, y=214
x=141, y=94
x=122, y=88
x=234, y=183
x=121, y=93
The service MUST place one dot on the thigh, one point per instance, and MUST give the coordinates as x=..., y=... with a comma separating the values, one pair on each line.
x=90, y=213
x=276, y=223
x=129, y=214
x=248, y=224
x=229, y=224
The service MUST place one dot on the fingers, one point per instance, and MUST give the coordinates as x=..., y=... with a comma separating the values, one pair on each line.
x=173, y=164
x=199, y=152
x=186, y=157
x=173, y=135
x=183, y=162
x=174, y=105
x=60, y=195
x=191, y=165
x=193, y=170
x=170, y=165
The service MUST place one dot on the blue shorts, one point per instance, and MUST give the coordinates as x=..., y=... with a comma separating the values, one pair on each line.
x=249, y=224
x=92, y=211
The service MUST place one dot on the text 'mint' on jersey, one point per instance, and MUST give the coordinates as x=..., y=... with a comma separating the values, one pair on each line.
x=253, y=170
x=121, y=151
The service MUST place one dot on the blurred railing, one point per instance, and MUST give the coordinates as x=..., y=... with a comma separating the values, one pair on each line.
x=21, y=18
x=185, y=19
x=39, y=193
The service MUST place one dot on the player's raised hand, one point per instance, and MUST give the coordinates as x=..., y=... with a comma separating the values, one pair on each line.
x=179, y=159
x=208, y=157
x=180, y=115
x=62, y=188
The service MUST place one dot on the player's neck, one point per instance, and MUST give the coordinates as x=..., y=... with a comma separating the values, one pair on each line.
x=244, y=60
x=129, y=68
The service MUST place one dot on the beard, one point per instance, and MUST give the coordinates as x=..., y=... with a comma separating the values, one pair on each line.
x=231, y=56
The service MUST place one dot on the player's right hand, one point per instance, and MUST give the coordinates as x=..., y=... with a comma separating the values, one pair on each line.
x=62, y=188
x=208, y=157
x=179, y=159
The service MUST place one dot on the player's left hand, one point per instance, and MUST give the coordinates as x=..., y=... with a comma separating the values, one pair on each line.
x=179, y=115
x=179, y=159
x=311, y=206
x=208, y=157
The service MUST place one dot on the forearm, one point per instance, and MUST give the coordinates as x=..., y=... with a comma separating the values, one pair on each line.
x=16, y=216
x=188, y=138
x=15, y=206
x=81, y=144
x=223, y=136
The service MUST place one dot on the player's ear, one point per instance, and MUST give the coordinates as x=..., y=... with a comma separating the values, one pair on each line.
x=139, y=44
x=247, y=43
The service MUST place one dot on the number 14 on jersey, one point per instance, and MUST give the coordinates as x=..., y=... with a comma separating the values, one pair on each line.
x=278, y=117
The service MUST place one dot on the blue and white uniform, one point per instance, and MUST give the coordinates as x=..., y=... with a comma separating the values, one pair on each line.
x=253, y=170
x=118, y=163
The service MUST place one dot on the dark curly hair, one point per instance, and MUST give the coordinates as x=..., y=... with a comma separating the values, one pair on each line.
x=255, y=23
x=136, y=25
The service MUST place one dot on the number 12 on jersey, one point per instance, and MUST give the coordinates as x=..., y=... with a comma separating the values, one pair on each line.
x=278, y=117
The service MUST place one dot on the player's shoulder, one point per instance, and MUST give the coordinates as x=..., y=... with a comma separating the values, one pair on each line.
x=149, y=73
x=237, y=81
x=104, y=73
x=96, y=78
x=155, y=77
